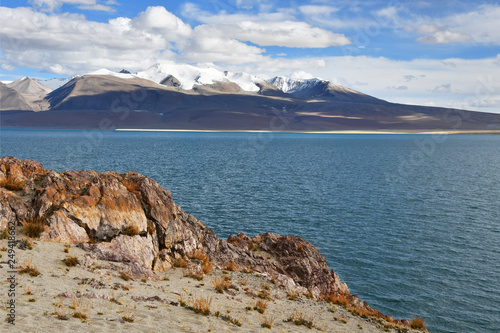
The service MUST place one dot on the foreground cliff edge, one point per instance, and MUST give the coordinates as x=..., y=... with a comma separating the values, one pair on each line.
x=104, y=249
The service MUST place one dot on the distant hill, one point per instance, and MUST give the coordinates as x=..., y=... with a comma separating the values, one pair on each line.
x=171, y=96
x=10, y=99
x=29, y=86
x=32, y=91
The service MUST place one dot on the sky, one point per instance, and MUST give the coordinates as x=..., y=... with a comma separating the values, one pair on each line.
x=437, y=53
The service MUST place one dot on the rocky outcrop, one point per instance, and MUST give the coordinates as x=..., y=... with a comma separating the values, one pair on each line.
x=129, y=218
x=171, y=81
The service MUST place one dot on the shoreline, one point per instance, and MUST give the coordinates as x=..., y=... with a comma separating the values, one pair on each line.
x=381, y=132
x=402, y=132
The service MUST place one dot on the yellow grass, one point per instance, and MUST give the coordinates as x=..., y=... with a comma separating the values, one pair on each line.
x=199, y=255
x=417, y=323
x=33, y=226
x=232, y=266
x=220, y=284
x=71, y=261
x=339, y=299
x=260, y=306
x=207, y=267
x=80, y=308
x=180, y=262
x=267, y=322
x=298, y=318
x=29, y=268
x=202, y=305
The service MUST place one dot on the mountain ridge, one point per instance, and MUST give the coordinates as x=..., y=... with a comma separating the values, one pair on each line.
x=171, y=96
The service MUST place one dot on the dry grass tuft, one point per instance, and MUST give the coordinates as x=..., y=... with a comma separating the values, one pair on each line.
x=131, y=230
x=29, y=268
x=298, y=319
x=417, y=323
x=180, y=262
x=181, y=300
x=260, y=306
x=12, y=184
x=80, y=308
x=202, y=305
x=4, y=234
x=33, y=226
x=363, y=312
x=292, y=295
x=194, y=272
x=207, y=267
x=220, y=284
x=267, y=322
x=339, y=299
x=264, y=294
x=129, y=315
x=59, y=311
x=199, y=255
x=124, y=276
x=232, y=266
x=66, y=248
x=71, y=261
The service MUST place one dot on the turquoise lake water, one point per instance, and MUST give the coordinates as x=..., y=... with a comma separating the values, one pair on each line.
x=410, y=222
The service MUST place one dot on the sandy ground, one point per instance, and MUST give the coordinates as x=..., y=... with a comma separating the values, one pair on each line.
x=47, y=302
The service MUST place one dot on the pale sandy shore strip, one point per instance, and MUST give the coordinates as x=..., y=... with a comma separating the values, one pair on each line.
x=424, y=132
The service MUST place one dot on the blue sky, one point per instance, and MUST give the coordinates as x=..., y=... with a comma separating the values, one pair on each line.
x=443, y=53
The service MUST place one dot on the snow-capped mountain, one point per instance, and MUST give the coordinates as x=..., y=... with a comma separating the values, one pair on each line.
x=121, y=75
x=55, y=83
x=189, y=76
x=319, y=88
x=289, y=85
x=181, y=96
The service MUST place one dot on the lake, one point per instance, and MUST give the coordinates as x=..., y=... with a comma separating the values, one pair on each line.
x=410, y=222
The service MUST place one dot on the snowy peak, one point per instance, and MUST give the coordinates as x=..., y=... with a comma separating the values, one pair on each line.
x=289, y=85
x=55, y=83
x=189, y=76
x=122, y=75
x=210, y=80
x=320, y=89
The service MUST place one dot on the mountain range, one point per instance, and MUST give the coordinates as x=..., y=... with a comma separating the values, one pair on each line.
x=176, y=96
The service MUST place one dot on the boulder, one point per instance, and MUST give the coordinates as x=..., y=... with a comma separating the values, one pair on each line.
x=62, y=229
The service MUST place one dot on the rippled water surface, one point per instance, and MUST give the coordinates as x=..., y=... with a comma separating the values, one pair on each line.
x=410, y=223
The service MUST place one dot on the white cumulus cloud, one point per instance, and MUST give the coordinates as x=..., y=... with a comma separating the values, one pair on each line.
x=445, y=37
x=481, y=25
x=287, y=33
x=34, y=39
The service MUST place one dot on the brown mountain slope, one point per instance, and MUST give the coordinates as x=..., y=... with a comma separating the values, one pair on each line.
x=139, y=103
x=12, y=100
x=33, y=92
